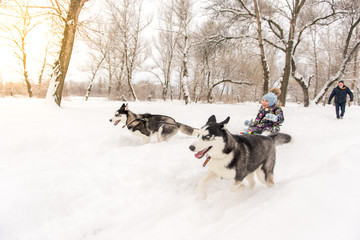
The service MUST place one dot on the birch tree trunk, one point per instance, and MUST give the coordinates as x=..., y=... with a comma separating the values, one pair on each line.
x=316, y=62
x=355, y=72
x=183, y=15
x=355, y=75
x=93, y=78
x=185, y=74
x=62, y=63
x=43, y=65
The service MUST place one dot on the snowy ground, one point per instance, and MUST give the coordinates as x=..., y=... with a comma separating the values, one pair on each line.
x=69, y=174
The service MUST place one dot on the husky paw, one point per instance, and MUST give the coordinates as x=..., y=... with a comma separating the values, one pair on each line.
x=270, y=181
x=237, y=187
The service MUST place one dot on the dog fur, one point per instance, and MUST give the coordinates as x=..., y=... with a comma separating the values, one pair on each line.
x=236, y=156
x=146, y=125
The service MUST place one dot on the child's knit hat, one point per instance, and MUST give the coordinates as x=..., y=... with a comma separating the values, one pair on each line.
x=271, y=97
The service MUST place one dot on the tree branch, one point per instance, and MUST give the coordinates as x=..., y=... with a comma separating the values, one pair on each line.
x=240, y=82
x=314, y=22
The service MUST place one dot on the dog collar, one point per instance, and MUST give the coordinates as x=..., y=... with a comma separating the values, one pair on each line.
x=206, y=161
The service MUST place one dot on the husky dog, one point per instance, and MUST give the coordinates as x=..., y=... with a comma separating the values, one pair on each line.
x=236, y=156
x=146, y=125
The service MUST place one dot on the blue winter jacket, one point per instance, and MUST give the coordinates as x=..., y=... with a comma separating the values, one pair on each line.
x=340, y=94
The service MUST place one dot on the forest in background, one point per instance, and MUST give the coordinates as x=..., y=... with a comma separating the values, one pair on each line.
x=213, y=51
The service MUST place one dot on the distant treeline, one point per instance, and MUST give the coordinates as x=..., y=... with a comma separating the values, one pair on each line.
x=146, y=91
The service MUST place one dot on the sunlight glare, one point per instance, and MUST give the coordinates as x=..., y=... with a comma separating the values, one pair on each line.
x=35, y=45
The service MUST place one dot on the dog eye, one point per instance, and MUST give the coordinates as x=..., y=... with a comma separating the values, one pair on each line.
x=207, y=137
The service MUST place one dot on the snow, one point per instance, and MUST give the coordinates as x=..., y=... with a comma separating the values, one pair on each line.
x=68, y=173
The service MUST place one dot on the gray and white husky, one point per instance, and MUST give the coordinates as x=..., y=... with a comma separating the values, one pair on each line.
x=147, y=125
x=236, y=156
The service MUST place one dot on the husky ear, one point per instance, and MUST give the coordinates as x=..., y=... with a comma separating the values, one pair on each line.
x=211, y=119
x=124, y=107
x=223, y=123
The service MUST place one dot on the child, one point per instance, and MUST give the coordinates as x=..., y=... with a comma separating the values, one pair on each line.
x=269, y=117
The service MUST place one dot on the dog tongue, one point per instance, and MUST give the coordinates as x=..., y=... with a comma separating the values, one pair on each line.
x=116, y=123
x=201, y=153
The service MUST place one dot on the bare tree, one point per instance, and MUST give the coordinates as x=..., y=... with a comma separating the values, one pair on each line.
x=127, y=17
x=208, y=60
x=110, y=47
x=299, y=23
x=220, y=64
x=349, y=50
x=238, y=82
x=184, y=17
x=264, y=64
x=207, y=54
x=24, y=21
x=62, y=63
x=295, y=8
x=314, y=59
x=286, y=25
x=166, y=44
x=94, y=71
x=355, y=74
x=100, y=41
x=44, y=64
x=241, y=15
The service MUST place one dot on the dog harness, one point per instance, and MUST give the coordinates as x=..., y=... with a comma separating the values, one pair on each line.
x=145, y=120
x=136, y=119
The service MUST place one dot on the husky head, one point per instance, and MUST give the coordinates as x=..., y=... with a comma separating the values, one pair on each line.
x=211, y=139
x=120, y=115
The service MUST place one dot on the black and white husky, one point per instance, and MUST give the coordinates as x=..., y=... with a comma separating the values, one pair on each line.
x=236, y=156
x=146, y=125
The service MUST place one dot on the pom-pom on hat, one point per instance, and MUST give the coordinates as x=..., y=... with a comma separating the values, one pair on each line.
x=271, y=98
x=275, y=90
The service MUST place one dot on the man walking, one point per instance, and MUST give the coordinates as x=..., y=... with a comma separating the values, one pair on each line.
x=340, y=93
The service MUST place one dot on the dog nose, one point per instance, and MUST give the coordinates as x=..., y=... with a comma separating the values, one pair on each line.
x=110, y=120
x=192, y=147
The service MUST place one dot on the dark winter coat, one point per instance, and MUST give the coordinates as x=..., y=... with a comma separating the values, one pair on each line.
x=340, y=94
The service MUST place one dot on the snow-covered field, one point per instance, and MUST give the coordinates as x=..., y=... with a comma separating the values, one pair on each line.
x=69, y=174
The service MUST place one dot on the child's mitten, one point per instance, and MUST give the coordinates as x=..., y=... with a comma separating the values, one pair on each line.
x=271, y=117
x=248, y=122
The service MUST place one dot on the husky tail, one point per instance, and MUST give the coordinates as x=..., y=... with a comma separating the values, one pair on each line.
x=185, y=129
x=280, y=138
